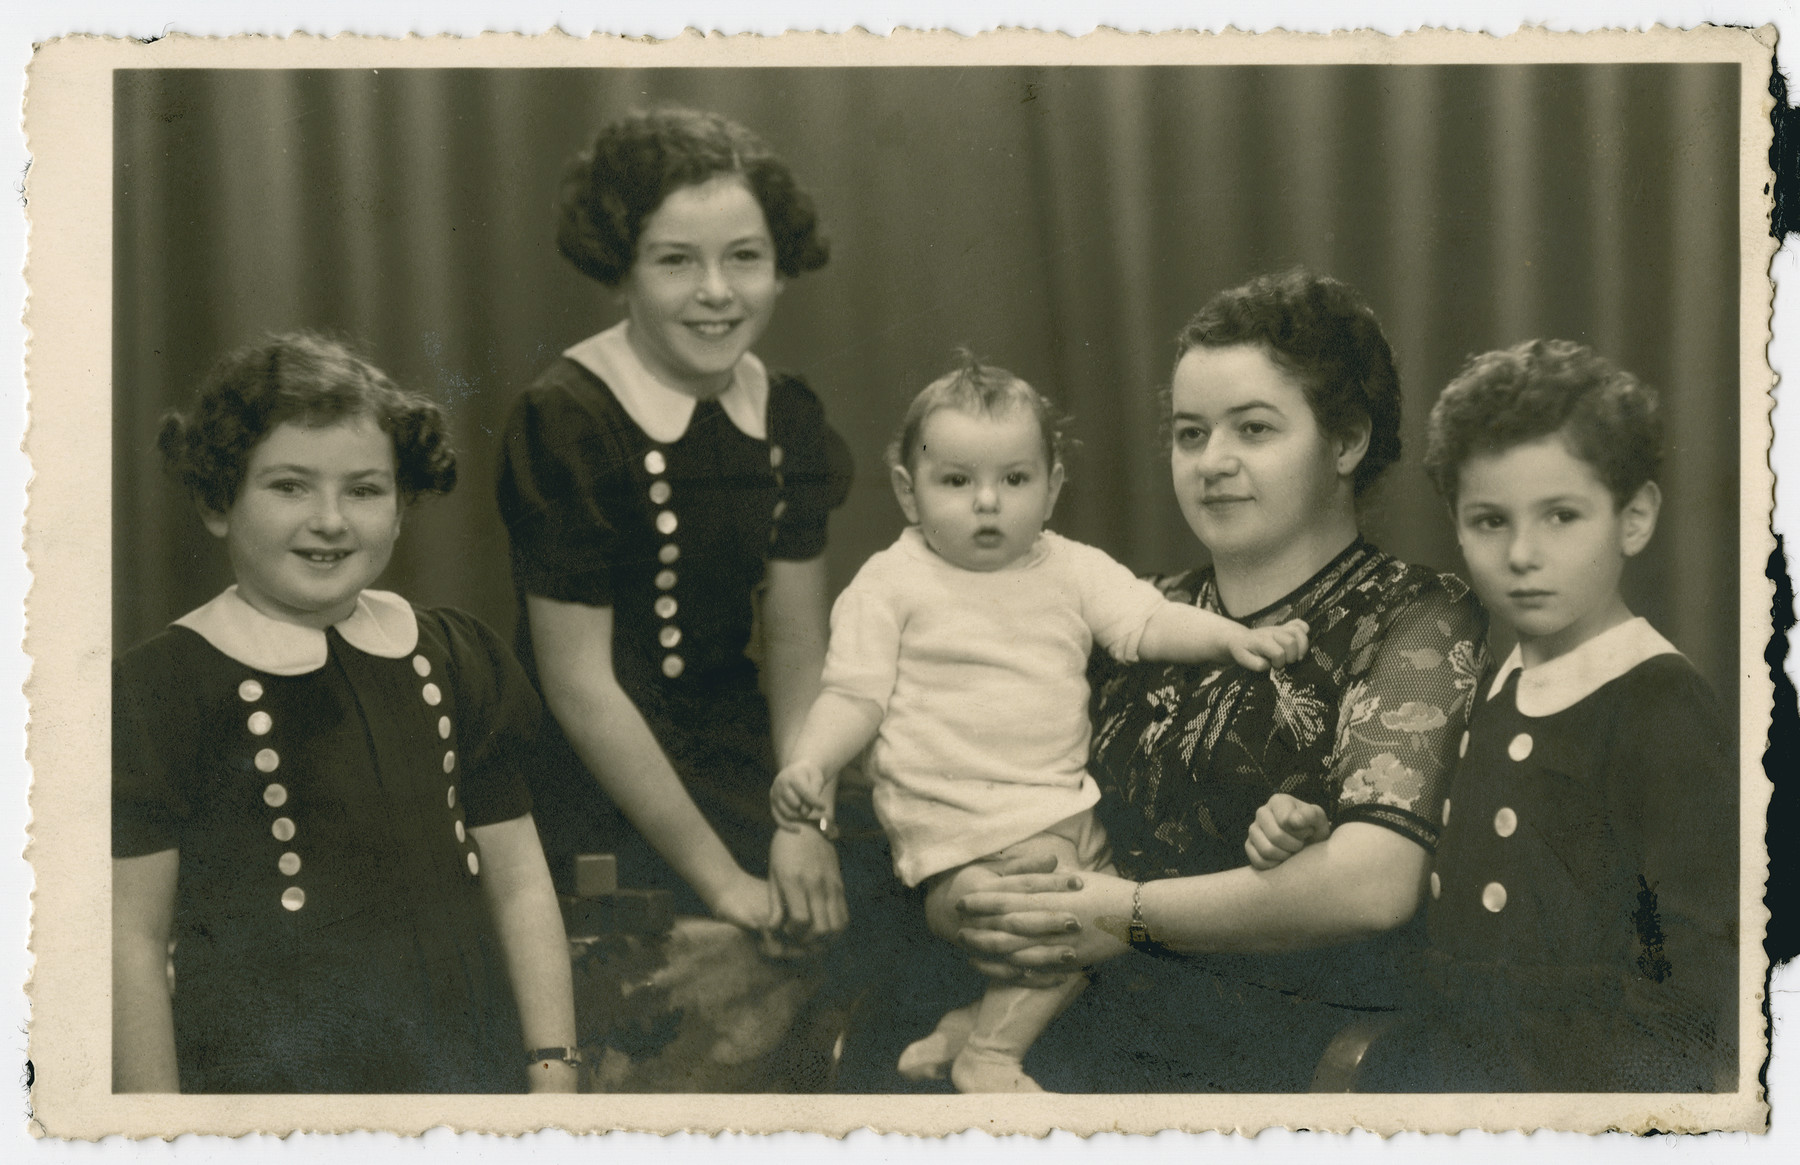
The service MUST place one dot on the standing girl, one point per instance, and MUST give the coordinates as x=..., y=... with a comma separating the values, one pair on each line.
x=317, y=788
x=664, y=492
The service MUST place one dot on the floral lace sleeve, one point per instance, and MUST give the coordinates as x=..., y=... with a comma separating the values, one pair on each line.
x=1404, y=715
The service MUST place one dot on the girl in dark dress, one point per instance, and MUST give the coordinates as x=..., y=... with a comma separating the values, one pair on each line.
x=317, y=789
x=666, y=498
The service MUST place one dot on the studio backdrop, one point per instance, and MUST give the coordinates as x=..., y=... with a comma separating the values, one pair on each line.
x=1063, y=222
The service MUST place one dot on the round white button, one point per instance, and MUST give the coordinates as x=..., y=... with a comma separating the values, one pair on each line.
x=672, y=665
x=669, y=553
x=293, y=898
x=669, y=636
x=282, y=828
x=1493, y=896
x=780, y=509
x=1462, y=749
x=1520, y=748
x=432, y=695
x=474, y=864
x=268, y=760
x=665, y=579
x=659, y=492
x=665, y=521
x=1446, y=811
x=450, y=761
x=288, y=863
x=443, y=728
x=774, y=457
x=421, y=665
x=1505, y=822
x=666, y=606
x=654, y=462
x=250, y=691
x=275, y=796
x=460, y=832
x=260, y=723
x=1437, y=887
x=450, y=796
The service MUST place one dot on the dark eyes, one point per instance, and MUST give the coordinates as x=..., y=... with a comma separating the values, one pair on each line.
x=1018, y=477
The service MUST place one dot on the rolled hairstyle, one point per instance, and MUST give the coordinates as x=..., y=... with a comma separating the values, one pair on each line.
x=640, y=159
x=311, y=379
x=1324, y=334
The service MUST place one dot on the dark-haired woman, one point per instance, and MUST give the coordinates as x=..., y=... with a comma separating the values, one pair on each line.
x=318, y=788
x=1284, y=409
x=666, y=495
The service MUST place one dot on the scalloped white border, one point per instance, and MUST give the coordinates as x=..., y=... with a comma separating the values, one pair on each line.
x=669, y=1112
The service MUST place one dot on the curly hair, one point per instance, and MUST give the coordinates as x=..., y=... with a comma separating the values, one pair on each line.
x=640, y=159
x=299, y=376
x=982, y=390
x=1508, y=397
x=1326, y=336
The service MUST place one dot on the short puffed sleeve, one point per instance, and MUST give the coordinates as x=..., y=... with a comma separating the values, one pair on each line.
x=563, y=478
x=500, y=716
x=155, y=747
x=1402, y=717
x=815, y=467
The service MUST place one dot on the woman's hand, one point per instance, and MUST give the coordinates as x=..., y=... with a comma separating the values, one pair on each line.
x=807, y=887
x=1046, y=921
x=1283, y=827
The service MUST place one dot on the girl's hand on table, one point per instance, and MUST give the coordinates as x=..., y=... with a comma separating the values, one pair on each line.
x=806, y=887
x=1046, y=921
x=745, y=901
x=1282, y=828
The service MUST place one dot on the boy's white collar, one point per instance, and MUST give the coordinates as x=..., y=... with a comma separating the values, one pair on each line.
x=664, y=412
x=1568, y=679
x=383, y=624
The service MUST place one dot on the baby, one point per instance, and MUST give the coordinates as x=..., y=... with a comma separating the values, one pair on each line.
x=961, y=652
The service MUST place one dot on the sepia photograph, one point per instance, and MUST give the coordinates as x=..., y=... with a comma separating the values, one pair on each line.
x=1221, y=577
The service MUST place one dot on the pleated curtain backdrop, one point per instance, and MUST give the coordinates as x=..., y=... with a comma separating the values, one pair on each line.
x=1063, y=222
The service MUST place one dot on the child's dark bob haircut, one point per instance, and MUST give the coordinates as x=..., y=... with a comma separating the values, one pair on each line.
x=981, y=390
x=1324, y=334
x=1529, y=391
x=307, y=378
x=640, y=159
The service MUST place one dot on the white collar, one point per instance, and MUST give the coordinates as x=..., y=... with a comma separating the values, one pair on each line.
x=383, y=624
x=664, y=412
x=1568, y=679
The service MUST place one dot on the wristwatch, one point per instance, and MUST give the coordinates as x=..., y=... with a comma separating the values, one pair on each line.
x=570, y=1056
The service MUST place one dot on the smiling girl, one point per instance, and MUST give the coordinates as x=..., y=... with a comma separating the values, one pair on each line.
x=316, y=791
x=666, y=496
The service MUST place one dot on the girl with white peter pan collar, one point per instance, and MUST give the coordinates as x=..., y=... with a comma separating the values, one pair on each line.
x=317, y=792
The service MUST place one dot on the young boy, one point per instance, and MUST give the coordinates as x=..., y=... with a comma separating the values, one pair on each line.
x=1583, y=911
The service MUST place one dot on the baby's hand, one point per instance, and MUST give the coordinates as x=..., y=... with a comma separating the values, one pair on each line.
x=797, y=798
x=1284, y=827
x=1261, y=648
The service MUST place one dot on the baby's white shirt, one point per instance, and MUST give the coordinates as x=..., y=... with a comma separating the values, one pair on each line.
x=982, y=680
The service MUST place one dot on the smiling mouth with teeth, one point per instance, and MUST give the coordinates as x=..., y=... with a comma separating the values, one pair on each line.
x=713, y=328
x=323, y=557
